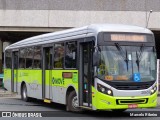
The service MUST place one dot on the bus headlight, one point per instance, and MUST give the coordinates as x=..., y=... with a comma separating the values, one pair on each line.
x=104, y=89
x=154, y=89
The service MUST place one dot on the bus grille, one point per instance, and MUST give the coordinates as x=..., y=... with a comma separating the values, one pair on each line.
x=131, y=87
x=122, y=87
x=131, y=101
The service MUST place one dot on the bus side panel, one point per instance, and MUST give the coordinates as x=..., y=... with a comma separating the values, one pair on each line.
x=61, y=80
x=7, y=79
x=33, y=80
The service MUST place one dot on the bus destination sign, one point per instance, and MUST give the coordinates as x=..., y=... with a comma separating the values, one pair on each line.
x=126, y=37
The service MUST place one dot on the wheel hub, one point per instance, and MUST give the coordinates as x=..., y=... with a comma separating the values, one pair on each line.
x=75, y=102
x=24, y=93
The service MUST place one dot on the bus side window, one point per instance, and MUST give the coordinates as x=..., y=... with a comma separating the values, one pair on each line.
x=37, y=58
x=8, y=59
x=71, y=55
x=58, y=55
x=22, y=61
x=29, y=57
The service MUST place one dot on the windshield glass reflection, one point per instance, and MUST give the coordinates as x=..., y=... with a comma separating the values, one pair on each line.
x=127, y=63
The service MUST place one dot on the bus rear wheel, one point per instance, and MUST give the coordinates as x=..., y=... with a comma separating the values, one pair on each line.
x=24, y=96
x=72, y=102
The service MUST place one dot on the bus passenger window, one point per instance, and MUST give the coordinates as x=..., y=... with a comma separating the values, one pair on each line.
x=58, y=55
x=71, y=55
x=29, y=57
x=37, y=58
x=22, y=58
x=8, y=59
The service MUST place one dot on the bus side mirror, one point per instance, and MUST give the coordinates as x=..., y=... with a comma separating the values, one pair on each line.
x=96, y=58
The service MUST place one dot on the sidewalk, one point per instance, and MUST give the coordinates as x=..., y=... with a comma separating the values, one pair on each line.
x=4, y=93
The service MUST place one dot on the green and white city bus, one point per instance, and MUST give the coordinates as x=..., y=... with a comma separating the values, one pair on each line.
x=97, y=67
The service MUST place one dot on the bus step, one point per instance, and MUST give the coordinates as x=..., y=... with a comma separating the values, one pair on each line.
x=47, y=101
x=85, y=107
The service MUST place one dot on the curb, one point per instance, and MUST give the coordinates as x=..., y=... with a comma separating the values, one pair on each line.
x=7, y=95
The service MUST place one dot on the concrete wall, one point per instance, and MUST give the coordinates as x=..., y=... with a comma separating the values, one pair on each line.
x=75, y=13
x=82, y=5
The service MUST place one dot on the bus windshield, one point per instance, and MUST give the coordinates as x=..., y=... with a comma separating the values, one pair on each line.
x=127, y=63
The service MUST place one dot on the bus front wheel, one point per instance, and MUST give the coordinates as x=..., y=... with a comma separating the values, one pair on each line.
x=72, y=102
x=24, y=96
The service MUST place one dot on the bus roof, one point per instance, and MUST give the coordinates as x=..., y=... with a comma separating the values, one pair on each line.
x=89, y=30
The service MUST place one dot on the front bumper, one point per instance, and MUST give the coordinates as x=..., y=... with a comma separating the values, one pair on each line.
x=102, y=101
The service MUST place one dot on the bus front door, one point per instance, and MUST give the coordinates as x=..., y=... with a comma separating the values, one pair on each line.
x=14, y=80
x=47, y=73
x=85, y=80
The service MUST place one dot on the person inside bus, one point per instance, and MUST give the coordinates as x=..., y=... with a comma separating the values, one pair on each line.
x=70, y=58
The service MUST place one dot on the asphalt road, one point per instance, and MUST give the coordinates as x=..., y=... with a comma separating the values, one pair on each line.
x=57, y=110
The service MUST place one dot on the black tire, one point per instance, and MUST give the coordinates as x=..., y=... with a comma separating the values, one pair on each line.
x=119, y=110
x=72, y=102
x=24, y=95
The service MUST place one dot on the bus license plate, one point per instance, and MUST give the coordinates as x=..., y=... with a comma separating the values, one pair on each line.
x=133, y=106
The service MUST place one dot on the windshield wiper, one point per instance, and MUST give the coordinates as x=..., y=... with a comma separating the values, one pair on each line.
x=122, y=53
x=139, y=56
x=137, y=61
